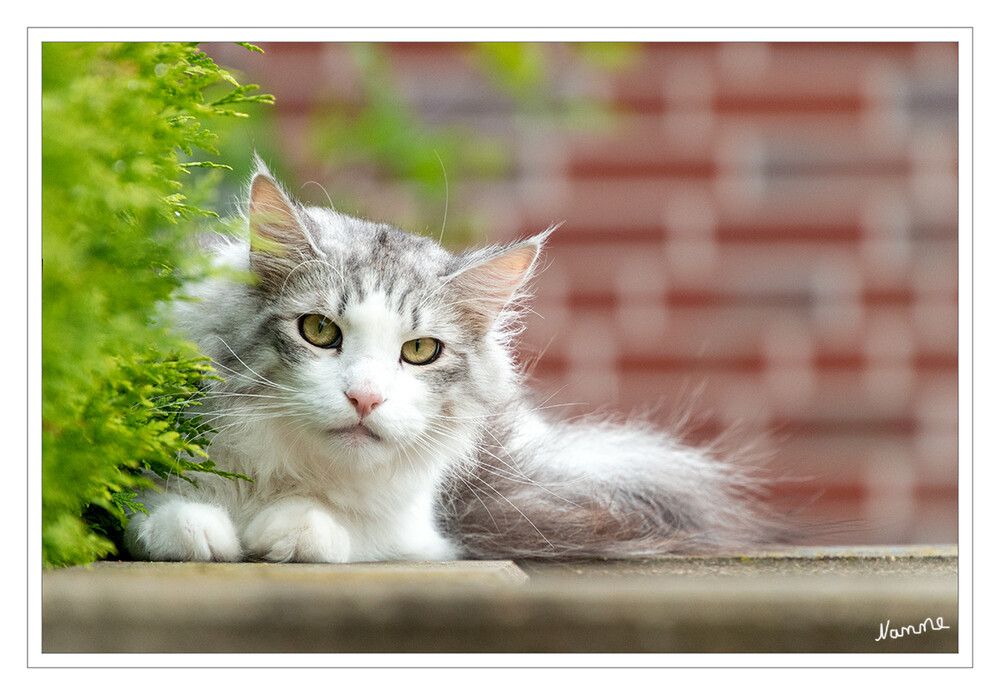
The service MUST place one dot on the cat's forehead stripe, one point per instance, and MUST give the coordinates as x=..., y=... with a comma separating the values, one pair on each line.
x=342, y=305
x=415, y=316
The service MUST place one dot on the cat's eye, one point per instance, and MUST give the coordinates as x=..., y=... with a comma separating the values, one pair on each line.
x=421, y=351
x=320, y=331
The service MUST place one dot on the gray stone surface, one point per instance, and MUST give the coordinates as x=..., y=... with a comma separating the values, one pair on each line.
x=792, y=600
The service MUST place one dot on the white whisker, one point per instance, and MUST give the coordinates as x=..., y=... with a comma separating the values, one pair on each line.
x=263, y=380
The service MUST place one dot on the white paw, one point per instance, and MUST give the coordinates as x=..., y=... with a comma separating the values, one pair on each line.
x=429, y=546
x=183, y=531
x=296, y=530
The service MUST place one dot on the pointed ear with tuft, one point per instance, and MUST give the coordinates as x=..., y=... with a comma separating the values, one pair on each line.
x=274, y=225
x=277, y=236
x=486, y=287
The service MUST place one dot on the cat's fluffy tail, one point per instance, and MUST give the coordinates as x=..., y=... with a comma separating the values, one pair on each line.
x=602, y=490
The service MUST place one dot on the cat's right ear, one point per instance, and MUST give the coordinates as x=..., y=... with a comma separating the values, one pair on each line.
x=278, y=239
x=274, y=226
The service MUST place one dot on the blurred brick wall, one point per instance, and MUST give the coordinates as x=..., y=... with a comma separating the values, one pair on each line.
x=768, y=234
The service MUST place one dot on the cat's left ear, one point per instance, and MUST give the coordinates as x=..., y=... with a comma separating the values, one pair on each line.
x=488, y=285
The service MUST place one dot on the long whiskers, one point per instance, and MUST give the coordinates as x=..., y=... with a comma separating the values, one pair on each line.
x=263, y=380
x=500, y=467
x=471, y=472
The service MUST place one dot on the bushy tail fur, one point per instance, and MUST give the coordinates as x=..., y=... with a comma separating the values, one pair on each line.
x=584, y=490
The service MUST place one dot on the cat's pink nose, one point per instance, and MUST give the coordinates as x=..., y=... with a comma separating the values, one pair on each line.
x=364, y=402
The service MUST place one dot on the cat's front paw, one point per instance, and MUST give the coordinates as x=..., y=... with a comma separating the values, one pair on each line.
x=296, y=530
x=185, y=532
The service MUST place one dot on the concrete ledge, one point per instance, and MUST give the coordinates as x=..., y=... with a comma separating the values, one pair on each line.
x=797, y=600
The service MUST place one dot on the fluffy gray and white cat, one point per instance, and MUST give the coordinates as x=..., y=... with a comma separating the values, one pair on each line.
x=372, y=396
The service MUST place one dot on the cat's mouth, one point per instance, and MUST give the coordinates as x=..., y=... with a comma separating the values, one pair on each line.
x=357, y=434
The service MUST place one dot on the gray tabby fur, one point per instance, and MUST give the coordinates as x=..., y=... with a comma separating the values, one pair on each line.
x=454, y=461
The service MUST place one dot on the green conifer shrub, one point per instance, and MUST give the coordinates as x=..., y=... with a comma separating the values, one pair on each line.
x=118, y=123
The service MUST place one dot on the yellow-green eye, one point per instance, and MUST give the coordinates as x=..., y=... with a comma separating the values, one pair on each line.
x=320, y=331
x=421, y=351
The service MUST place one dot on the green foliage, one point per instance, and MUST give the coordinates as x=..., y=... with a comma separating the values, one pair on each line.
x=115, y=120
x=386, y=132
x=383, y=131
x=530, y=74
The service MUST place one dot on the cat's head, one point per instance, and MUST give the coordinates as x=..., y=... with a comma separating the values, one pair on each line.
x=370, y=341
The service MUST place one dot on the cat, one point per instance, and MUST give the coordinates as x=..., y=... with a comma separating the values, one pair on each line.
x=372, y=395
